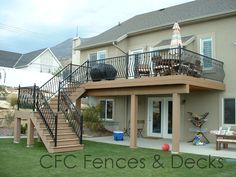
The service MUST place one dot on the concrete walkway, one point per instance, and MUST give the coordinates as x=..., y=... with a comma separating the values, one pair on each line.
x=208, y=149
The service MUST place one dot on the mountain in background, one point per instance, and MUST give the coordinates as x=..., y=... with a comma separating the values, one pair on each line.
x=63, y=51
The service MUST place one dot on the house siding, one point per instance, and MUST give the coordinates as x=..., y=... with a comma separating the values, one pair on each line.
x=45, y=63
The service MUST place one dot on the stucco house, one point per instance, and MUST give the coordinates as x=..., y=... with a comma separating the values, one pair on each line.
x=163, y=102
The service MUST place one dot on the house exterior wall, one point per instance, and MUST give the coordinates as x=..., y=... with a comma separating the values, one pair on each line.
x=200, y=103
x=45, y=63
x=76, y=53
x=222, y=32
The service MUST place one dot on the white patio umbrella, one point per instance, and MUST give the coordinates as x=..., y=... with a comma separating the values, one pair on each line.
x=176, y=38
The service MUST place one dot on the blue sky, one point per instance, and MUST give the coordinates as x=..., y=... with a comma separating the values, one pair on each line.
x=27, y=25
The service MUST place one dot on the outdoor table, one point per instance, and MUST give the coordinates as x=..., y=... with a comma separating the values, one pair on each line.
x=225, y=145
x=165, y=66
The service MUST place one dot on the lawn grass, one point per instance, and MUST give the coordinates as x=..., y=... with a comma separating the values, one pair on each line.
x=18, y=161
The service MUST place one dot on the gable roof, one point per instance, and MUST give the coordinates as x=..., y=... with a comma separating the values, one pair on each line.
x=187, y=12
x=8, y=59
x=28, y=57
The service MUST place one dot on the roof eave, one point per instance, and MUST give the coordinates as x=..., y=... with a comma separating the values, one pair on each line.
x=94, y=46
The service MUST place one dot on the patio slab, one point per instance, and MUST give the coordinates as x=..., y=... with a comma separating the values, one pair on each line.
x=208, y=149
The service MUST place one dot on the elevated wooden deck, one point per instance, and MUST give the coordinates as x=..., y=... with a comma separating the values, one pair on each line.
x=151, y=86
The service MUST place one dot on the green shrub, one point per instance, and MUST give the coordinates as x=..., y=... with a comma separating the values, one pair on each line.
x=9, y=118
x=23, y=129
x=92, y=118
x=12, y=99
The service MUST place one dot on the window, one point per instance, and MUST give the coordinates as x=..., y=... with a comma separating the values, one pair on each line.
x=107, y=109
x=137, y=56
x=206, y=50
x=101, y=55
x=97, y=57
x=229, y=111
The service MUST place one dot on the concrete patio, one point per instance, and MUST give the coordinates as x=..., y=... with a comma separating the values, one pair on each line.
x=208, y=149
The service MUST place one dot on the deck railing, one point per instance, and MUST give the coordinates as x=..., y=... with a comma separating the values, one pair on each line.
x=163, y=62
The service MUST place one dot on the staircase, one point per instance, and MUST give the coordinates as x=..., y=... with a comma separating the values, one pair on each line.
x=57, y=120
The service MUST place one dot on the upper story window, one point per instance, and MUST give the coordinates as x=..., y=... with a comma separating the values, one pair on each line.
x=137, y=56
x=97, y=57
x=229, y=111
x=101, y=55
x=206, y=49
x=107, y=107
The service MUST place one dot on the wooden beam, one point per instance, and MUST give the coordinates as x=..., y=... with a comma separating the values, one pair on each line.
x=156, y=81
x=133, y=121
x=30, y=133
x=176, y=123
x=151, y=90
x=78, y=103
x=17, y=128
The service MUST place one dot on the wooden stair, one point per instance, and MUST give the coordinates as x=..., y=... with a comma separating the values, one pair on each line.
x=67, y=140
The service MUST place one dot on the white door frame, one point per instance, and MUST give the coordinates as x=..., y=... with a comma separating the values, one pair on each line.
x=164, y=117
x=150, y=117
x=131, y=60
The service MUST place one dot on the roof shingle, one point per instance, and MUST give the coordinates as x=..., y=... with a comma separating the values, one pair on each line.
x=8, y=59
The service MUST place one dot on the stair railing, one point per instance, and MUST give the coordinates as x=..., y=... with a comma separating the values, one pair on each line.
x=66, y=87
x=45, y=93
x=34, y=97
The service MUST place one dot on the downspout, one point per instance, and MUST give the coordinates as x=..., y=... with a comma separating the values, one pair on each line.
x=114, y=43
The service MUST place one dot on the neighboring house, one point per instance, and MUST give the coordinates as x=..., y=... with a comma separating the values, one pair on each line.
x=15, y=67
x=207, y=28
x=42, y=60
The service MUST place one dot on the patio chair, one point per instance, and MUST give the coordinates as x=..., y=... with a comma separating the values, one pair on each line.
x=143, y=70
x=140, y=127
x=127, y=129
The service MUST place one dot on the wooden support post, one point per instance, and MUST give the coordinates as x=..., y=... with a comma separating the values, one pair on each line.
x=17, y=128
x=78, y=103
x=30, y=133
x=176, y=123
x=133, y=121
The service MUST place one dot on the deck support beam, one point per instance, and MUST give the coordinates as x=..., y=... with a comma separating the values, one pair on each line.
x=78, y=103
x=133, y=121
x=30, y=133
x=176, y=123
x=17, y=129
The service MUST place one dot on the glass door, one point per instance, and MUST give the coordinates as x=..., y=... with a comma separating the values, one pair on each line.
x=155, y=117
x=160, y=117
